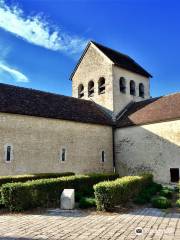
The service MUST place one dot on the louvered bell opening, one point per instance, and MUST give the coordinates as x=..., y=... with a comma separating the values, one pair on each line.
x=102, y=89
x=91, y=92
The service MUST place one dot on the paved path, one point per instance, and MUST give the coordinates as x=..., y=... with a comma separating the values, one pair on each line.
x=80, y=225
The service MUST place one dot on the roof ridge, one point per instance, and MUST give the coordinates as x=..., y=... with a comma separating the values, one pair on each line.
x=114, y=50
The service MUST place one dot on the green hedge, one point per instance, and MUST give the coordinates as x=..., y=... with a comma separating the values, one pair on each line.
x=160, y=202
x=112, y=193
x=46, y=192
x=28, y=177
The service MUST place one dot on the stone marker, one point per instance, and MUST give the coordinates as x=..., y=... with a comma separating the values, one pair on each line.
x=67, y=199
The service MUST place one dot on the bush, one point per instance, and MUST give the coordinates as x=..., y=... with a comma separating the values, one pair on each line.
x=46, y=192
x=166, y=192
x=178, y=203
x=109, y=194
x=25, y=178
x=146, y=194
x=86, y=202
x=160, y=202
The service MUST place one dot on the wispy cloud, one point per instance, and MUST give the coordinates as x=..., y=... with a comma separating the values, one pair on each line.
x=36, y=30
x=15, y=74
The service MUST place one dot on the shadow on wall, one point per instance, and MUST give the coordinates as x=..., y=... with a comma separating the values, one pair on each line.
x=149, y=148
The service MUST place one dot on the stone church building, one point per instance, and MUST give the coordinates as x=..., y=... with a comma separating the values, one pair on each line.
x=110, y=123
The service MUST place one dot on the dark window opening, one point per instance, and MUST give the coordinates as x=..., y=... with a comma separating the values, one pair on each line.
x=103, y=156
x=80, y=91
x=132, y=88
x=141, y=90
x=8, y=154
x=174, y=174
x=63, y=155
x=122, y=85
x=101, y=85
x=91, y=89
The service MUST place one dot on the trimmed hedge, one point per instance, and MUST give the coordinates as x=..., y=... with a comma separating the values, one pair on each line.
x=46, y=192
x=112, y=193
x=87, y=202
x=28, y=177
x=160, y=202
x=146, y=194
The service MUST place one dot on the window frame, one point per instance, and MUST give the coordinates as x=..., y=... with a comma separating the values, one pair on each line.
x=122, y=85
x=61, y=154
x=81, y=91
x=91, y=88
x=134, y=88
x=6, y=154
x=101, y=86
x=141, y=85
x=103, y=153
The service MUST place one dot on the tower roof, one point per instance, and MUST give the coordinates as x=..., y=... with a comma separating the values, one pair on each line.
x=122, y=60
x=119, y=59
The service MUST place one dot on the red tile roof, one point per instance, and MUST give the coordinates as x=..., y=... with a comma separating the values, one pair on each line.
x=151, y=111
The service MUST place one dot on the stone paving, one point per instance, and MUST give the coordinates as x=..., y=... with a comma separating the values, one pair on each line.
x=79, y=225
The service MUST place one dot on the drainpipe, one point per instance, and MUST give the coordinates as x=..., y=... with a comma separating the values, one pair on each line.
x=114, y=155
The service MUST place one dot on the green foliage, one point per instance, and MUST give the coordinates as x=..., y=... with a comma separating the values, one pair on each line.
x=46, y=192
x=166, y=192
x=111, y=193
x=160, y=202
x=146, y=194
x=86, y=202
x=25, y=178
x=178, y=203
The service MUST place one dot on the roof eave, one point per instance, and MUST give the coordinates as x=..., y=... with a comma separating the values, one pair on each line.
x=145, y=74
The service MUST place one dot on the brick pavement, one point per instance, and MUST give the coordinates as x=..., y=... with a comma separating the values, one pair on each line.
x=83, y=225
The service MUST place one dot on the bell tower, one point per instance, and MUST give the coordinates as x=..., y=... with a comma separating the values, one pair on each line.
x=109, y=78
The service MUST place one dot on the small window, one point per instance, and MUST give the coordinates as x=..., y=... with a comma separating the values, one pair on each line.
x=8, y=153
x=122, y=85
x=63, y=155
x=141, y=90
x=174, y=172
x=81, y=91
x=132, y=88
x=102, y=156
x=101, y=85
x=91, y=89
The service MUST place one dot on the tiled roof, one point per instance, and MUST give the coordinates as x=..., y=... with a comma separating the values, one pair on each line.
x=117, y=58
x=151, y=111
x=122, y=60
x=31, y=102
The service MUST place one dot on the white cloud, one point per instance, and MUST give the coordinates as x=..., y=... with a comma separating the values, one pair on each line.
x=17, y=76
x=36, y=30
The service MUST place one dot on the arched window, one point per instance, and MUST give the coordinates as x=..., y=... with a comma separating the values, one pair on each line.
x=122, y=85
x=132, y=88
x=8, y=152
x=101, y=85
x=81, y=91
x=141, y=90
x=63, y=154
x=102, y=156
x=91, y=89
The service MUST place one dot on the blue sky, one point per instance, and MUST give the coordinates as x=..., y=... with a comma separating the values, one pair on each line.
x=41, y=40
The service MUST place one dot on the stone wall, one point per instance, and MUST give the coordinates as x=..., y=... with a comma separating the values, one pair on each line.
x=120, y=99
x=93, y=66
x=37, y=143
x=153, y=147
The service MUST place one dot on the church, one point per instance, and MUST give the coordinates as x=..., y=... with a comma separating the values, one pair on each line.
x=111, y=123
